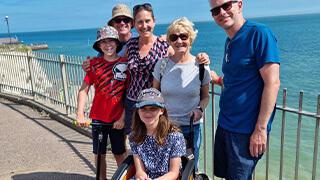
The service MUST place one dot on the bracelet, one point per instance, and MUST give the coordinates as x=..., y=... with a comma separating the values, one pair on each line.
x=220, y=80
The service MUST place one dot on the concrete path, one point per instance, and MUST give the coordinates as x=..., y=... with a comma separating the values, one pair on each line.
x=33, y=146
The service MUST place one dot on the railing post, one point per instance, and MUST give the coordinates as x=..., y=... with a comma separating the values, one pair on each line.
x=284, y=105
x=205, y=142
x=267, y=158
x=213, y=126
x=316, y=139
x=296, y=173
x=29, y=59
x=64, y=81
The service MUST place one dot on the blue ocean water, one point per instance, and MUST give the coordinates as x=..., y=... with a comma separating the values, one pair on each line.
x=299, y=42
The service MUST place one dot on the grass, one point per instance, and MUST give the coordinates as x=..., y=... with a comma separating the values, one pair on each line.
x=16, y=47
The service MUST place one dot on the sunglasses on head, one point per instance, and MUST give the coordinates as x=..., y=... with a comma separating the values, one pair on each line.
x=174, y=37
x=145, y=6
x=119, y=20
x=226, y=6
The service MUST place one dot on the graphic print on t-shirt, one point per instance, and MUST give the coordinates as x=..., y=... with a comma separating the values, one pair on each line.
x=109, y=77
x=119, y=71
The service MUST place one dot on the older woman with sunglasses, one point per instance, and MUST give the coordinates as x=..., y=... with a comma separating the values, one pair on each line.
x=143, y=53
x=178, y=78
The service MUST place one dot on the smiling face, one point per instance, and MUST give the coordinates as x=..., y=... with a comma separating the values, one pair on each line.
x=180, y=41
x=149, y=115
x=228, y=15
x=122, y=24
x=144, y=23
x=108, y=46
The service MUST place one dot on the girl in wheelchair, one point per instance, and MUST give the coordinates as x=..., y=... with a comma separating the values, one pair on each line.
x=156, y=144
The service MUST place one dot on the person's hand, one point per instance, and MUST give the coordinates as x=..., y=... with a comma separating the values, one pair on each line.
x=197, y=114
x=81, y=121
x=86, y=64
x=258, y=142
x=141, y=176
x=203, y=58
x=163, y=37
x=118, y=124
x=214, y=76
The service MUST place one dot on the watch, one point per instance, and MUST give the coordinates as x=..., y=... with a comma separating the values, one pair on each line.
x=200, y=108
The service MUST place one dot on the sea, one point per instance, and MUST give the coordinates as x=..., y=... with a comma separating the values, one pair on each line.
x=299, y=44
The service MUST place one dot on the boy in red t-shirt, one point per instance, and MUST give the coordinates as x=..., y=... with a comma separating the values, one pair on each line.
x=109, y=76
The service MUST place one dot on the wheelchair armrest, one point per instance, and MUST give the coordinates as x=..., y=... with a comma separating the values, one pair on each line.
x=125, y=170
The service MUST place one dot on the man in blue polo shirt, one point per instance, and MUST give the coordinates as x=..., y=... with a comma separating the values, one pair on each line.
x=250, y=87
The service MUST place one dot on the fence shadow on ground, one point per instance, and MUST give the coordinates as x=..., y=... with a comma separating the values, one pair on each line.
x=51, y=176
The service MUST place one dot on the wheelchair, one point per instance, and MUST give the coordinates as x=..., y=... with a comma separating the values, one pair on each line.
x=127, y=169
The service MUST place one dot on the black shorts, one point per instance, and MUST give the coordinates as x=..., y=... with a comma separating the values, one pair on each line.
x=117, y=139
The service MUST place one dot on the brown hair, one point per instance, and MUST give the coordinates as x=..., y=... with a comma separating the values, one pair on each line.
x=139, y=130
x=140, y=7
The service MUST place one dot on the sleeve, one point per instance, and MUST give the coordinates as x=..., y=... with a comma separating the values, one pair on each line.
x=266, y=50
x=87, y=79
x=156, y=70
x=133, y=146
x=89, y=75
x=178, y=145
x=206, y=77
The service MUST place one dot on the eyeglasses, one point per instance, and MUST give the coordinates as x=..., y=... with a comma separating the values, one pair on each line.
x=226, y=6
x=119, y=20
x=174, y=37
x=146, y=6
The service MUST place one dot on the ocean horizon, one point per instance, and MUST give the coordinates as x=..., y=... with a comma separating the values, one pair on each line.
x=298, y=41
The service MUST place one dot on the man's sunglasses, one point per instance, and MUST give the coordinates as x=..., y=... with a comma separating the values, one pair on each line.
x=226, y=6
x=174, y=37
x=119, y=20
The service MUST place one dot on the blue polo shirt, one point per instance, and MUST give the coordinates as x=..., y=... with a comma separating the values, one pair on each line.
x=250, y=49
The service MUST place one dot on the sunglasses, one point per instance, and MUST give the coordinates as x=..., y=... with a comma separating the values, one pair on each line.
x=226, y=6
x=146, y=6
x=119, y=20
x=174, y=37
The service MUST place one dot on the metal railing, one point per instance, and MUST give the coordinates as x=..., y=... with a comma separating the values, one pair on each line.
x=54, y=80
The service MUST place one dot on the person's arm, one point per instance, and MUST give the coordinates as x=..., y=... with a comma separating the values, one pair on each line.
x=119, y=124
x=173, y=172
x=198, y=113
x=81, y=102
x=270, y=75
x=140, y=169
x=86, y=64
x=216, y=79
x=156, y=84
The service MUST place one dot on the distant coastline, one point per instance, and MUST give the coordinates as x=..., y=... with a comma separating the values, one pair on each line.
x=4, y=34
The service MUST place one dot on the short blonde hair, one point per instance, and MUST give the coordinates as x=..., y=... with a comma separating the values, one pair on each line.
x=182, y=24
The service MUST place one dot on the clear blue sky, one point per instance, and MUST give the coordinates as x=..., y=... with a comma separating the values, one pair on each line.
x=39, y=15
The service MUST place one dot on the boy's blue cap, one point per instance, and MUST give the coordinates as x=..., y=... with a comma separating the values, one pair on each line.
x=150, y=97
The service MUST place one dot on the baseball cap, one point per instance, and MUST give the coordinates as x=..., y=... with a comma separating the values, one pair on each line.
x=150, y=97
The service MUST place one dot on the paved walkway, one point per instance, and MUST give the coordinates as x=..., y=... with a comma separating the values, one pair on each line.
x=33, y=146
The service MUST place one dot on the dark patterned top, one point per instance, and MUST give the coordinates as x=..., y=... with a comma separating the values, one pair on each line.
x=156, y=158
x=141, y=68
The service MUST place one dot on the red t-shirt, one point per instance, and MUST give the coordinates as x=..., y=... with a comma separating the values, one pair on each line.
x=110, y=80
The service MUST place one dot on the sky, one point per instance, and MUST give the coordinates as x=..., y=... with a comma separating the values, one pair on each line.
x=46, y=15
